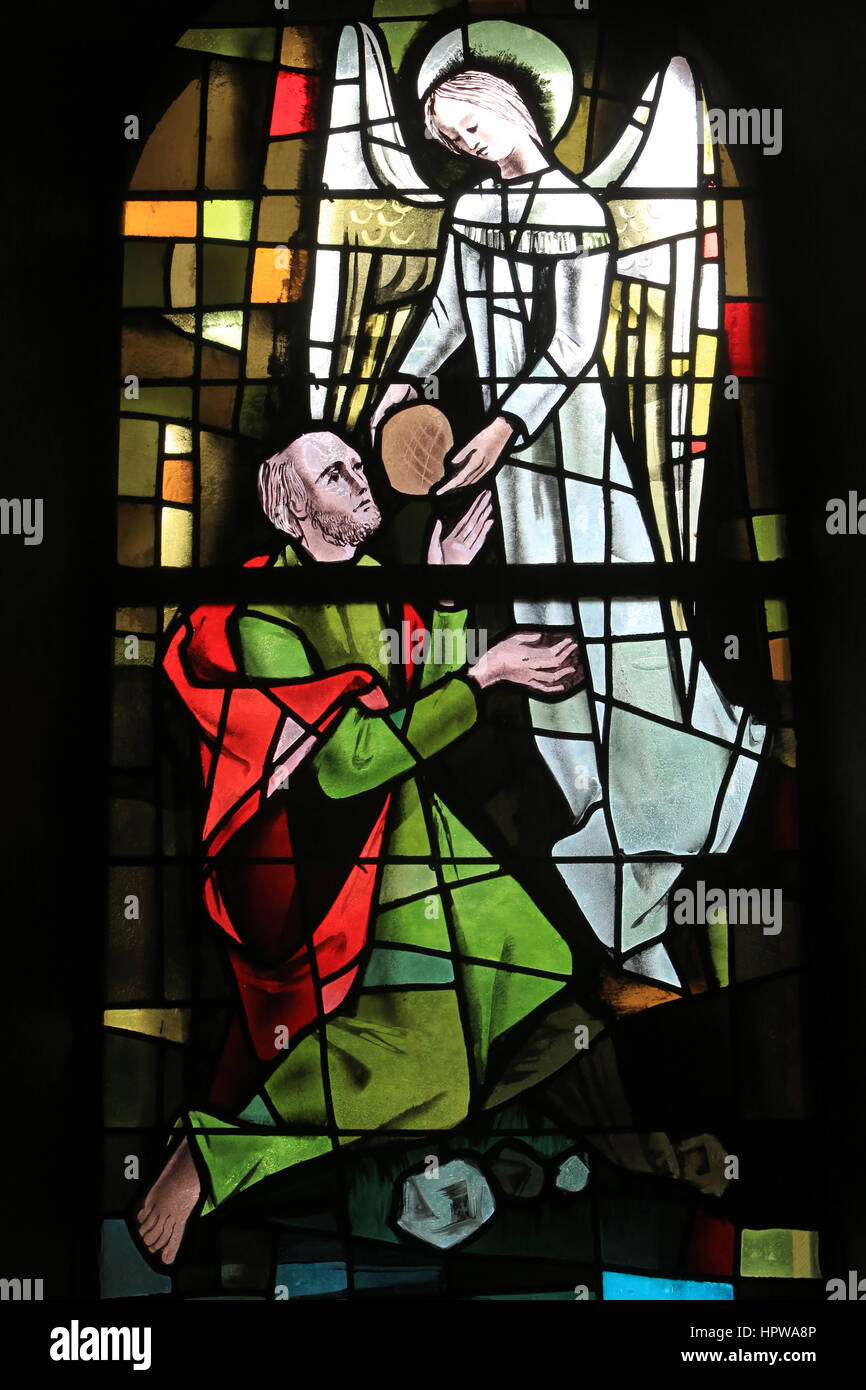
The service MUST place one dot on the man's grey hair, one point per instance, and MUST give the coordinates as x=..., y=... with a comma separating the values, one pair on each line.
x=281, y=489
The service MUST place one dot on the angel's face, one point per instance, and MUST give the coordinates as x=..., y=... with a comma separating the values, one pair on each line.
x=478, y=132
x=339, y=499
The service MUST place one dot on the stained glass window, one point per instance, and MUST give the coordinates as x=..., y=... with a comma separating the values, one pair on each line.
x=455, y=925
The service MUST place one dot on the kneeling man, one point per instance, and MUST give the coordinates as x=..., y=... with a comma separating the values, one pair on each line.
x=379, y=950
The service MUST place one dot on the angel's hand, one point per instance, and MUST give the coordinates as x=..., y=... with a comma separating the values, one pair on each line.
x=398, y=393
x=480, y=455
x=465, y=538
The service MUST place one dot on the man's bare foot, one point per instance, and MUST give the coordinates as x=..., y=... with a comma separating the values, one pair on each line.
x=169, y=1204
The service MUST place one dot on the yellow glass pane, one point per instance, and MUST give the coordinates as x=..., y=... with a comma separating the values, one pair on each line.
x=171, y=1024
x=176, y=537
x=379, y=222
x=170, y=155
x=785, y=747
x=701, y=407
x=182, y=278
x=705, y=355
x=709, y=163
x=613, y=323
x=571, y=149
x=654, y=363
x=734, y=223
x=285, y=164
x=178, y=439
x=279, y=218
x=300, y=47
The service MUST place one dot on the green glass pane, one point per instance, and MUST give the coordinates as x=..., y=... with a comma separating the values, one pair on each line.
x=133, y=826
x=717, y=933
x=174, y=401
x=406, y=881
x=295, y=1088
x=137, y=457
x=779, y=1254
x=144, y=265
x=394, y=967
x=131, y=743
x=418, y=923
x=224, y=274
x=777, y=615
x=254, y=421
x=226, y=328
x=770, y=537
x=496, y=1000
x=130, y=959
x=130, y=1081
x=383, y=8
x=137, y=653
x=228, y=219
x=399, y=36
x=177, y=945
x=234, y=43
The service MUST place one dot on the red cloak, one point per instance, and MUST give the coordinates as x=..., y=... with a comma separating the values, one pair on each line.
x=252, y=738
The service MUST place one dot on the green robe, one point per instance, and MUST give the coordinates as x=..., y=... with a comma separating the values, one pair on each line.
x=458, y=952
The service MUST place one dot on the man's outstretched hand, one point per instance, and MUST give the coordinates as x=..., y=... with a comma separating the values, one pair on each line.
x=465, y=538
x=532, y=660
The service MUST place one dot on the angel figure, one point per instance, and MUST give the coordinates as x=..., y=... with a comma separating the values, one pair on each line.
x=563, y=288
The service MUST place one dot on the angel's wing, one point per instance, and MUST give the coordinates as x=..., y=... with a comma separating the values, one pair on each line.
x=377, y=235
x=660, y=182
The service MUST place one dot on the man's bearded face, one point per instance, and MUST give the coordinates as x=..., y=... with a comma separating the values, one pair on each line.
x=339, y=500
x=346, y=530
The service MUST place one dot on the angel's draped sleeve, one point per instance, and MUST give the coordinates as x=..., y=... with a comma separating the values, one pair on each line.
x=444, y=327
x=579, y=295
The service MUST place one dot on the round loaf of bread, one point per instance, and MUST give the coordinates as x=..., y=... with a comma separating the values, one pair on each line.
x=415, y=442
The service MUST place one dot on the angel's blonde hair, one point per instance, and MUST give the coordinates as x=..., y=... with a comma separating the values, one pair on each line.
x=486, y=91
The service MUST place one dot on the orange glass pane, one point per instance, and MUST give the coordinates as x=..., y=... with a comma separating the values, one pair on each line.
x=780, y=658
x=165, y=219
x=278, y=275
x=177, y=480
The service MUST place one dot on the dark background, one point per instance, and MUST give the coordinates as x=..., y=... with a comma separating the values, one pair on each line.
x=66, y=90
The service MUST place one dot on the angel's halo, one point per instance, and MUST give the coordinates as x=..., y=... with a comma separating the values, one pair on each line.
x=492, y=39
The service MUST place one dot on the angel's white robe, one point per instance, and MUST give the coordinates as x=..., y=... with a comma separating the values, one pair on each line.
x=525, y=276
